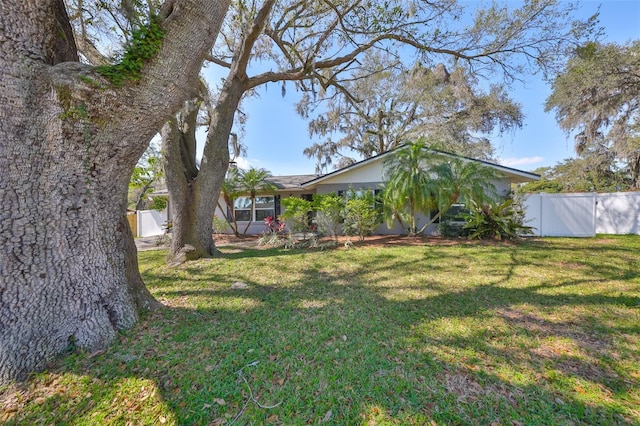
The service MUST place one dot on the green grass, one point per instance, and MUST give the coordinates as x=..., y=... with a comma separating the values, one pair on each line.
x=544, y=332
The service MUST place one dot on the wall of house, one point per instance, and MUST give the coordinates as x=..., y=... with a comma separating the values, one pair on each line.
x=335, y=187
x=367, y=177
x=255, y=227
x=371, y=172
x=503, y=186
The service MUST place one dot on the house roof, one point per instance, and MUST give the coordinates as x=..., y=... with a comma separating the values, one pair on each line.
x=515, y=175
x=290, y=182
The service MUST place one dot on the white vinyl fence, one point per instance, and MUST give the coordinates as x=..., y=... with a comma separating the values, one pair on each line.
x=583, y=214
x=618, y=213
x=151, y=222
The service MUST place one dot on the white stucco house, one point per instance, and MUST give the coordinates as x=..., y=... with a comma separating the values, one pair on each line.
x=363, y=175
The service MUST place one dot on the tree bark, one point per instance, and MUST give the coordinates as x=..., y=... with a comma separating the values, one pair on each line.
x=181, y=174
x=69, y=140
x=194, y=192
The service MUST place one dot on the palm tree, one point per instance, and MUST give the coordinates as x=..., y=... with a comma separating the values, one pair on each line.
x=253, y=182
x=409, y=186
x=463, y=180
x=420, y=179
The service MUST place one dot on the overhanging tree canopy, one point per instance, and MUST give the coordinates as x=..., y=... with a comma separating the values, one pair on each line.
x=385, y=105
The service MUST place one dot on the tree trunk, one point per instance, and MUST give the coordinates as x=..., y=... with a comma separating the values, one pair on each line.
x=63, y=258
x=194, y=192
x=142, y=299
x=181, y=173
x=69, y=141
x=140, y=199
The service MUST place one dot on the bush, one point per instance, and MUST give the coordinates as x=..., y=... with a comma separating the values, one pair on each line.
x=296, y=214
x=329, y=213
x=360, y=214
x=496, y=221
x=159, y=203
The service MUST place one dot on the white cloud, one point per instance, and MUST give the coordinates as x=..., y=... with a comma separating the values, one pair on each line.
x=522, y=161
x=244, y=164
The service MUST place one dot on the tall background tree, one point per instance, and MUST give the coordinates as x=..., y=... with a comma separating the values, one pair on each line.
x=70, y=136
x=597, y=98
x=317, y=44
x=385, y=105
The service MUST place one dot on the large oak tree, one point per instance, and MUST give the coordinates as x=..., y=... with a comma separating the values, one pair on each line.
x=70, y=135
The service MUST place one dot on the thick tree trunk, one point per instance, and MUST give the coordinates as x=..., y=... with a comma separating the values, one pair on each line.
x=181, y=174
x=68, y=274
x=194, y=193
x=63, y=260
x=142, y=299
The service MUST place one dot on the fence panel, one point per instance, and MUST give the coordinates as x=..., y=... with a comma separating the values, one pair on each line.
x=151, y=222
x=618, y=213
x=132, y=218
x=569, y=215
x=562, y=215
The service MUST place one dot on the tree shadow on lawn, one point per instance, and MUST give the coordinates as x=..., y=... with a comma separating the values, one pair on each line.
x=350, y=345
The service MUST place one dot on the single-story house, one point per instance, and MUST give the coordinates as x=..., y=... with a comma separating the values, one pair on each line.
x=363, y=175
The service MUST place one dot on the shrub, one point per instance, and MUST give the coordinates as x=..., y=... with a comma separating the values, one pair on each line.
x=329, y=213
x=498, y=221
x=296, y=214
x=159, y=203
x=360, y=214
x=220, y=226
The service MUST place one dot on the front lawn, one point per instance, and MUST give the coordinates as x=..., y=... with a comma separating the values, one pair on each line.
x=543, y=332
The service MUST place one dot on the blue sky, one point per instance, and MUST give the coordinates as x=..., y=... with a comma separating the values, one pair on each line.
x=276, y=136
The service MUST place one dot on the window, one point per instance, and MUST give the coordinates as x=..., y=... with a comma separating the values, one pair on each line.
x=375, y=194
x=265, y=206
x=242, y=209
x=452, y=215
x=245, y=211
